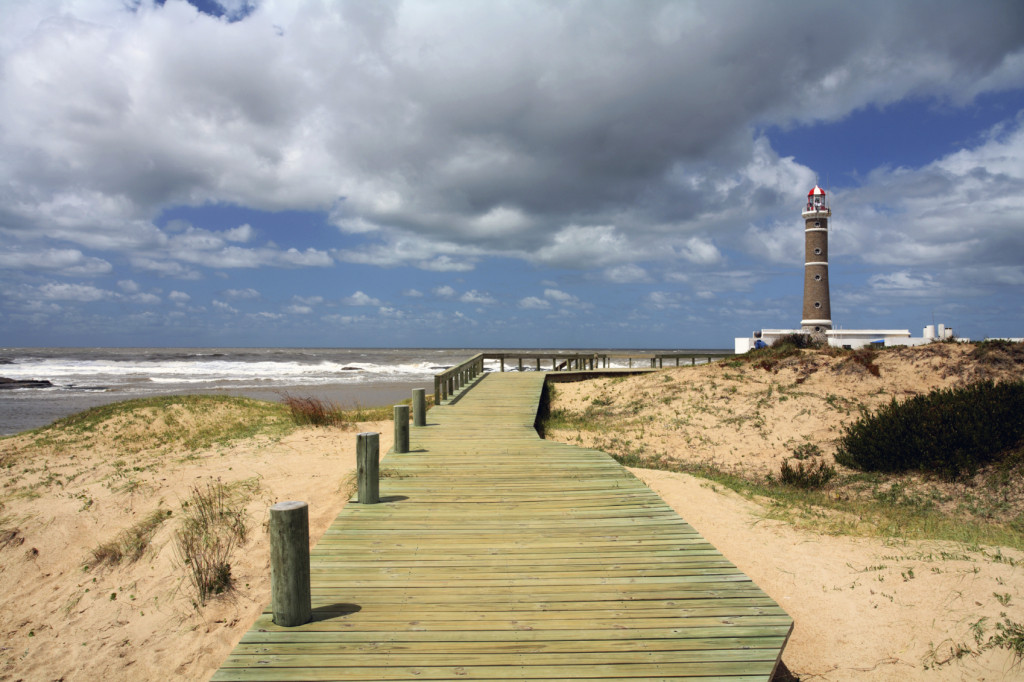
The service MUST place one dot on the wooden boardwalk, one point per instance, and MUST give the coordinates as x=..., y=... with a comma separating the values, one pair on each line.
x=497, y=555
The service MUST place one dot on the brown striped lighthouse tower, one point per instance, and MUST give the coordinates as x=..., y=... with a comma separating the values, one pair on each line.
x=817, y=317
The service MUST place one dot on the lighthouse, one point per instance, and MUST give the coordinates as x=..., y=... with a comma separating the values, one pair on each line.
x=817, y=317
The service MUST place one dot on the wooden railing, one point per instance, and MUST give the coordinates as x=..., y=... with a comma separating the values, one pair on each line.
x=448, y=382
x=658, y=360
x=557, y=361
x=452, y=380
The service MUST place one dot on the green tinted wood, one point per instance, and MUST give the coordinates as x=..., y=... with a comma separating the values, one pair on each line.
x=496, y=555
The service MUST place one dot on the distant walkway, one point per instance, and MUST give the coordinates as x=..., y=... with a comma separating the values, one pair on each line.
x=497, y=555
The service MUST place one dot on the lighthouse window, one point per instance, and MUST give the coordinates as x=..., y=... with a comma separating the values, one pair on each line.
x=817, y=223
x=817, y=304
x=817, y=278
x=817, y=252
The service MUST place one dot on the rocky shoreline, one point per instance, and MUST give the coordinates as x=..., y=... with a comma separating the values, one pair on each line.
x=6, y=383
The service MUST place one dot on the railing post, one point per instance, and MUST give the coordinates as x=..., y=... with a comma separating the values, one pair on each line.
x=289, y=564
x=401, y=428
x=368, y=467
x=419, y=407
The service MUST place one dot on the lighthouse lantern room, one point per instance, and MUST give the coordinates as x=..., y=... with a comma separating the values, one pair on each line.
x=817, y=313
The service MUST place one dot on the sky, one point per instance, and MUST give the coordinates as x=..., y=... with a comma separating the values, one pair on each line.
x=508, y=173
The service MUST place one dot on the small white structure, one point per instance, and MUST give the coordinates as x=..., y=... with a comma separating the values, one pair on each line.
x=851, y=338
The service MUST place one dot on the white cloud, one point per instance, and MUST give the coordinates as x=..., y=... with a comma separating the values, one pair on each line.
x=413, y=293
x=444, y=291
x=128, y=286
x=481, y=298
x=249, y=294
x=242, y=233
x=534, y=303
x=67, y=261
x=145, y=298
x=664, y=299
x=223, y=307
x=359, y=298
x=84, y=293
x=701, y=251
x=559, y=296
x=179, y=297
x=626, y=274
x=298, y=309
x=903, y=283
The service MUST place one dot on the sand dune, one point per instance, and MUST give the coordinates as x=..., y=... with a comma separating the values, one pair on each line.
x=866, y=606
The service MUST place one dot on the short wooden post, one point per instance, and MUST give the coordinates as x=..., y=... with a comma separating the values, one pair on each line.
x=520, y=363
x=401, y=428
x=693, y=361
x=368, y=467
x=419, y=406
x=289, y=564
x=538, y=363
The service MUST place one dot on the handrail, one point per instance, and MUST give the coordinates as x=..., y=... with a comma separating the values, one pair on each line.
x=452, y=380
x=448, y=382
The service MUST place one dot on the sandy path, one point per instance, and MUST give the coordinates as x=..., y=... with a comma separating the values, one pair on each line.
x=864, y=609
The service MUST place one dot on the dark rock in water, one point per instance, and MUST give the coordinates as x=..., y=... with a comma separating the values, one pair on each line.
x=24, y=383
x=6, y=361
x=352, y=369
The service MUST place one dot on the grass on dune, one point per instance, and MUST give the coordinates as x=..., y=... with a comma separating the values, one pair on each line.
x=184, y=422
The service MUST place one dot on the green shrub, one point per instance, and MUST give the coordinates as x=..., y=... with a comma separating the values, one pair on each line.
x=950, y=432
x=810, y=477
x=806, y=451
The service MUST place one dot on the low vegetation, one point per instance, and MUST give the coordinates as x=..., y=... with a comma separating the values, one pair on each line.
x=312, y=411
x=158, y=424
x=952, y=432
x=213, y=524
x=131, y=543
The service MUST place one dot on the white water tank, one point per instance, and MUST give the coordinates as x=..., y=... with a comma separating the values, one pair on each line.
x=929, y=331
x=942, y=331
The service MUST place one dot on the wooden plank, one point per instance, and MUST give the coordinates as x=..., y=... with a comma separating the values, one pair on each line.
x=497, y=555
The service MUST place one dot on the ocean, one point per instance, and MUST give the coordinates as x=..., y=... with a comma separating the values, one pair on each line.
x=88, y=377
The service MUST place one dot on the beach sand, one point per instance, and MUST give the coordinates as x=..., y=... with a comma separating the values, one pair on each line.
x=136, y=620
x=865, y=607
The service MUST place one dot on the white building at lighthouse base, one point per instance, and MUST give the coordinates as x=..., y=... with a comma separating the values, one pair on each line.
x=853, y=338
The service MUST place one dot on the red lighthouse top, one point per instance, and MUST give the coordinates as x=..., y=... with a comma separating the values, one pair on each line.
x=816, y=199
x=816, y=202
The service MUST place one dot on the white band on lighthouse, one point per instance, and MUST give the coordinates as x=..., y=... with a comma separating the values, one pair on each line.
x=819, y=322
x=816, y=262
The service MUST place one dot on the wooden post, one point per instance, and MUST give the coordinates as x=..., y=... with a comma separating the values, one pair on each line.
x=538, y=363
x=289, y=564
x=401, y=428
x=520, y=363
x=419, y=407
x=368, y=467
x=693, y=361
